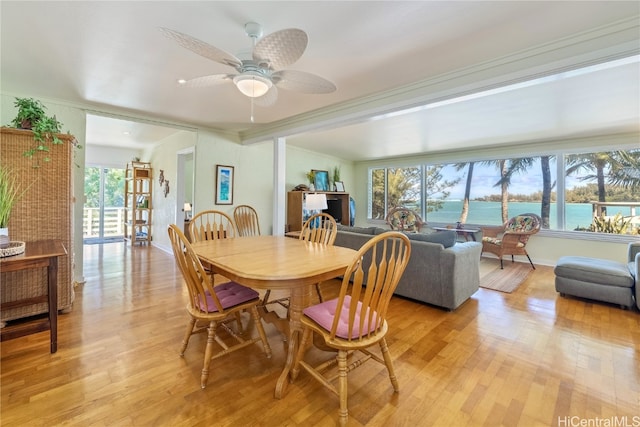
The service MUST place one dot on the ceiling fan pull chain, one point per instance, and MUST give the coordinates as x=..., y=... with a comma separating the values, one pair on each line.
x=251, y=110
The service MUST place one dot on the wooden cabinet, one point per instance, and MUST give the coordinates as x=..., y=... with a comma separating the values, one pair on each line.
x=338, y=207
x=43, y=213
x=138, y=202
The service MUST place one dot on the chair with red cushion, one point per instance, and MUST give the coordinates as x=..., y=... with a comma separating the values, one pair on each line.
x=356, y=320
x=216, y=305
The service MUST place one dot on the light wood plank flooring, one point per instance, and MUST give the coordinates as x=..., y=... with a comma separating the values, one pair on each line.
x=530, y=358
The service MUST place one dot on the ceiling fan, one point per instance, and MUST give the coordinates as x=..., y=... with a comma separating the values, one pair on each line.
x=260, y=75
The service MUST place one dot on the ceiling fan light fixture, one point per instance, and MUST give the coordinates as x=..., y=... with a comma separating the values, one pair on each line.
x=252, y=85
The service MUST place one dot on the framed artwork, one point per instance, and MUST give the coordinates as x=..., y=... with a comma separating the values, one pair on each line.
x=321, y=180
x=339, y=185
x=224, y=185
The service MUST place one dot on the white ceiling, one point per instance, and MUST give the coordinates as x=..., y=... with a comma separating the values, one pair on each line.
x=111, y=57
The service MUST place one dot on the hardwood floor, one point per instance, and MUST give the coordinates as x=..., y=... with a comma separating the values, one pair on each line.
x=530, y=358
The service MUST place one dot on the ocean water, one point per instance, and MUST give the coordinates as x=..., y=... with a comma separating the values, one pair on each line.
x=489, y=213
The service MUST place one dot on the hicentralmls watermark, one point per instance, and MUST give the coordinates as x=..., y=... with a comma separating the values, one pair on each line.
x=616, y=421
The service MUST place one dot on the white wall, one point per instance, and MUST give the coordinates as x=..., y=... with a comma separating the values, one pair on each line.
x=110, y=157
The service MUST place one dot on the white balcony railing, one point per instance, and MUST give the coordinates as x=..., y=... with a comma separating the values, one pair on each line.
x=113, y=222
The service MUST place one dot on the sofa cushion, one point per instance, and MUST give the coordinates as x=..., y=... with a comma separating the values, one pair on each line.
x=445, y=238
x=593, y=270
x=360, y=230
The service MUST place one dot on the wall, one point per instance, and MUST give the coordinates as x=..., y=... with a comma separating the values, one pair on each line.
x=163, y=157
x=111, y=157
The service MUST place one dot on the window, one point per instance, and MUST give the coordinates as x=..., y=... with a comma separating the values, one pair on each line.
x=600, y=191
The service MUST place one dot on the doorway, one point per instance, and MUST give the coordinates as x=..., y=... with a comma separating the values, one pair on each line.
x=103, y=213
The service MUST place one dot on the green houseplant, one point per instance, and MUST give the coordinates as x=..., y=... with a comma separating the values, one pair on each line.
x=10, y=193
x=31, y=115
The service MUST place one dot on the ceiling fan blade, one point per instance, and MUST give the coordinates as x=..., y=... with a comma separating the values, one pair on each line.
x=268, y=99
x=281, y=48
x=205, y=81
x=301, y=81
x=202, y=48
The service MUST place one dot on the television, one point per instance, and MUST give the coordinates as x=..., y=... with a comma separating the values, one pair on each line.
x=334, y=208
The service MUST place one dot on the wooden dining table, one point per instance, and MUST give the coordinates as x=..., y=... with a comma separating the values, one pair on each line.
x=277, y=263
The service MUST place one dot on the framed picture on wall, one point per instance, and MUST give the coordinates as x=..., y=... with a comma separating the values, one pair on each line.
x=224, y=185
x=321, y=180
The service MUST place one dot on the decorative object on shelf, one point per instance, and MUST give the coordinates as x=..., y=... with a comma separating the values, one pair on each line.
x=336, y=175
x=12, y=248
x=338, y=186
x=321, y=180
x=161, y=177
x=311, y=177
x=31, y=115
x=224, y=185
x=166, y=188
x=187, y=211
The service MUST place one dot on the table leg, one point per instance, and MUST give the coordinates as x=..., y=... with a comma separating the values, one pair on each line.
x=300, y=297
x=52, y=279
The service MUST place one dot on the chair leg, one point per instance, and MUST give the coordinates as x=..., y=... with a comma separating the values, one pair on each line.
x=319, y=292
x=260, y=327
x=187, y=335
x=389, y=363
x=343, y=413
x=208, y=354
x=501, y=266
x=530, y=262
x=302, y=348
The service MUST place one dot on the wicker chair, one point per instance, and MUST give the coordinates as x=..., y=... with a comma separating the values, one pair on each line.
x=246, y=219
x=511, y=238
x=356, y=320
x=404, y=219
x=216, y=305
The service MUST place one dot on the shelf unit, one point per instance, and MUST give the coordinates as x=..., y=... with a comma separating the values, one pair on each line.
x=297, y=214
x=138, y=202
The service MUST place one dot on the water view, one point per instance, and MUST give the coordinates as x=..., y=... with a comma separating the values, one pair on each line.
x=489, y=213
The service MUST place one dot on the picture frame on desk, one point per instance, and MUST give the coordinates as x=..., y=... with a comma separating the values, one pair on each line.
x=321, y=180
x=339, y=186
x=224, y=185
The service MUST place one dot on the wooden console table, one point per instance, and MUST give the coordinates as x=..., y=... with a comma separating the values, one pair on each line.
x=40, y=254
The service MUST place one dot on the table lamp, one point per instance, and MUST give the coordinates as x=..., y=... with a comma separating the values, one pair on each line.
x=315, y=203
x=187, y=211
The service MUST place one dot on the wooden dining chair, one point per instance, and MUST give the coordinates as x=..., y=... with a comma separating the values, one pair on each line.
x=215, y=305
x=211, y=225
x=356, y=320
x=320, y=228
x=246, y=219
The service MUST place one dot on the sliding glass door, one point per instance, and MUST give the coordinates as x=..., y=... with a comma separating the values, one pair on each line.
x=103, y=205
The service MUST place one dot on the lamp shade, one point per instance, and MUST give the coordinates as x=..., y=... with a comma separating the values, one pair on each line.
x=251, y=85
x=316, y=202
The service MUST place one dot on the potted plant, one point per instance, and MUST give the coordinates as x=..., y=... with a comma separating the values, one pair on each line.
x=31, y=115
x=311, y=176
x=10, y=193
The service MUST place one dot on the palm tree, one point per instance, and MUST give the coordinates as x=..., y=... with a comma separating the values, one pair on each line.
x=547, y=186
x=621, y=165
x=467, y=190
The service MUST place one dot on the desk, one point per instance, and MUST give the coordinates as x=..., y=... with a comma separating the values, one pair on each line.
x=40, y=254
x=277, y=262
x=464, y=232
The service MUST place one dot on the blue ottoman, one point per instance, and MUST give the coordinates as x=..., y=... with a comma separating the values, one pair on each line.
x=596, y=279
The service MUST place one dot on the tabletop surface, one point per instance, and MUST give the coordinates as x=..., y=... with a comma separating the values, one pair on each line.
x=38, y=249
x=274, y=261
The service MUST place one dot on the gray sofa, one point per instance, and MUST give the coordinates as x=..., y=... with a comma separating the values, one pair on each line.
x=602, y=280
x=440, y=272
